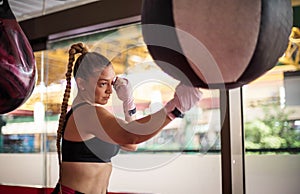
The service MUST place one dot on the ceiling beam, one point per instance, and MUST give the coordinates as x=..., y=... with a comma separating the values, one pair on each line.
x=40, y=28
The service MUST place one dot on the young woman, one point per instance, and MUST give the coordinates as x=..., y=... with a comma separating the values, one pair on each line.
x=91, y=135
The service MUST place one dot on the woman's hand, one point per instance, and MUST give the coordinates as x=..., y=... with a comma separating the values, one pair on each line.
x=185, y=97
x=125, y=94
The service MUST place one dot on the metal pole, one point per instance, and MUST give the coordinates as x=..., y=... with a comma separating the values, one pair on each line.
x=232, y=142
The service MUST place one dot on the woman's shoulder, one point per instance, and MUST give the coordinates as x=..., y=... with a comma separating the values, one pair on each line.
x=88, y=113
x=97, y=113
x=88, y=107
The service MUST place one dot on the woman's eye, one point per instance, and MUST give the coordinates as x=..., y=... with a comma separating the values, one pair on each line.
x=102, y=84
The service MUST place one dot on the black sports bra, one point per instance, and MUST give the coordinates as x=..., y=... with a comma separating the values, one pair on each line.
x=91, y=150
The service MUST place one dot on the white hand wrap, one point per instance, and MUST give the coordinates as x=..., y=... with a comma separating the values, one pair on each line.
x=185, y=97
x=125, y=94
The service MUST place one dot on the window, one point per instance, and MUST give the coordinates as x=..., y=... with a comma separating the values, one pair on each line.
x=197, y=132
x=271, y=121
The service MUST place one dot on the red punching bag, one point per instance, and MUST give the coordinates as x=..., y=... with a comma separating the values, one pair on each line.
x=216, y=44
x=17, y=63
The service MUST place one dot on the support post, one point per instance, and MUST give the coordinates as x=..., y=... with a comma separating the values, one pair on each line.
x=232, y=142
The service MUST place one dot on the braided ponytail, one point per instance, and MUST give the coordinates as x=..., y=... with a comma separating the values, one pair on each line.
x=75, y=48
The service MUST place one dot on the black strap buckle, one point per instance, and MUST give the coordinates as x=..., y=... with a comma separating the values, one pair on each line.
x=177, y=113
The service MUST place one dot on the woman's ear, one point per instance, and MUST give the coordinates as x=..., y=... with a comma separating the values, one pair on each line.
x=80, y=83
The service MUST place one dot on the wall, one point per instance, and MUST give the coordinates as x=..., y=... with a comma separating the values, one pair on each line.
x=273, y=174
x=167, y=174
x=185, y=174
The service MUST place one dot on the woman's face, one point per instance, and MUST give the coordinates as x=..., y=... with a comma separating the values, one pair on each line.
x=100, y=87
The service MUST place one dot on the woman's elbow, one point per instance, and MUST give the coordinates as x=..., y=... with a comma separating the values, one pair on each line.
x=130, y=147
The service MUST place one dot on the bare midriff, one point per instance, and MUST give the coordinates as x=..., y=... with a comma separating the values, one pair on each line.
x=88, y=178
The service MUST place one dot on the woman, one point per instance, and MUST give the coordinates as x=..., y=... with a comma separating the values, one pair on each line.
x=91, y=135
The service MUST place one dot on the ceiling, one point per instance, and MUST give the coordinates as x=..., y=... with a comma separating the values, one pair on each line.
x=26, y=9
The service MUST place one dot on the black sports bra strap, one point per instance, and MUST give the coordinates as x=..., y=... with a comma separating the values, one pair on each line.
x=71, y=111
x=78, y=105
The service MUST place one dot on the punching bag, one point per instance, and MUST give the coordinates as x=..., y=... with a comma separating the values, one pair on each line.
x=17, y=63
x=216, y=44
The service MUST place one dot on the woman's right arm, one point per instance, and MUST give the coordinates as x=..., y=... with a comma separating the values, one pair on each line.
x=103, y=124
x=134, y=132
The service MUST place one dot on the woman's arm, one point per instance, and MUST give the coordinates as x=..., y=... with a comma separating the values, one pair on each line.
x=125, y=94
x=104, y=125
x=129, y=147
x=133, y=132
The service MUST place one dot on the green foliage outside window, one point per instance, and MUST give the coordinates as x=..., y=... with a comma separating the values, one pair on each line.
x=274, y=130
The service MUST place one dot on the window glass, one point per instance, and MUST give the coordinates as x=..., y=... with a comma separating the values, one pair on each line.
x=198, y=131
x=272, y=111
x=272, y=105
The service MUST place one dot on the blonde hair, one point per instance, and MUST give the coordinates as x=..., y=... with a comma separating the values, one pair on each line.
x=75, y=49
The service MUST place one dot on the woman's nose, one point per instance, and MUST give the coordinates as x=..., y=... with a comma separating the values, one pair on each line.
x=109, y=89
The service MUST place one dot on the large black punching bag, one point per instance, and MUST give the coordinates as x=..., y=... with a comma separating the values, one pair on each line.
x=17, y=64
x=216, y=44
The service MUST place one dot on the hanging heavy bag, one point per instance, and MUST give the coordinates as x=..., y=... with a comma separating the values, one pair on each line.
x=216, y=44
x=17, y=63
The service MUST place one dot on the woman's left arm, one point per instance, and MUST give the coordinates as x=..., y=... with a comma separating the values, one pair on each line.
x=124, y=92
